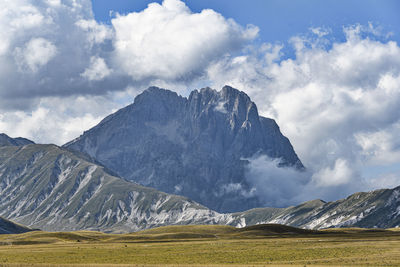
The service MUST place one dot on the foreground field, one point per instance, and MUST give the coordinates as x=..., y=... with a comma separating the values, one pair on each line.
x=205, y=245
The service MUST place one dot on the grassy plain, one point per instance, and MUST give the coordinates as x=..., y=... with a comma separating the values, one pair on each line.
x=204, y=245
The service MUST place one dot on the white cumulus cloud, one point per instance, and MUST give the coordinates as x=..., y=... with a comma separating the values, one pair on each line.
x=98, y=70
x=53, y=50
x=170, y=42
x=56, y=48
x=96, y=33
x=59, y=120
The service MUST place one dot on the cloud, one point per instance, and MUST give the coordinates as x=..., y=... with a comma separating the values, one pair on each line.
x=385, y=180
x=59, y=120
x=170, y=42
x=341, y=173
x=284, y=186
x=52, y=50
x=336, y=101
x=380, y=147
x=95, y=33
x=36, y=53
x=55, y=48
x=46, y=46
x=97, y=70
x=275, y=186
x=238, y=189
x=320, y=31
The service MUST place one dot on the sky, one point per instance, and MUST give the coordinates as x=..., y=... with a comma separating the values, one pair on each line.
x=327, y=71
x=279, y=20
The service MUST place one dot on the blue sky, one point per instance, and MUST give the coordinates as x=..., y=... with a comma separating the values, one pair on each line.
x=279, y=20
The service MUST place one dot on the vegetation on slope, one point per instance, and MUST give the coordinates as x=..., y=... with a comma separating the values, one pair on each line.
x=206, y=245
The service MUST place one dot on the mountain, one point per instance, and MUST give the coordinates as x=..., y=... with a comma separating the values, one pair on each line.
x=8, y=227
x=53, y=189
x=379, y=208
x=5, y=140
x=197, y=147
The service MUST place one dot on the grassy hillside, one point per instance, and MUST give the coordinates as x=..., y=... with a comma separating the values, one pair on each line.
x=205, y=245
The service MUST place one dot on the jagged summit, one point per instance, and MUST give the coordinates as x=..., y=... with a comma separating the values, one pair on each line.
x=193, y=146
x=5, y=140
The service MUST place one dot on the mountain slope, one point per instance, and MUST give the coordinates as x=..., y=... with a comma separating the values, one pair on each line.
x=8, y=227
x=47, y=187
x=196, y=147
x=379, y=208
x=5, y=140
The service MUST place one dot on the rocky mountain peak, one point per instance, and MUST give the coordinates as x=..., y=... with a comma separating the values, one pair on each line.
x=156, y=95
x=234, y=105
x=157, y=104
x=240, y=105
x=229, y=93
x=192, y=146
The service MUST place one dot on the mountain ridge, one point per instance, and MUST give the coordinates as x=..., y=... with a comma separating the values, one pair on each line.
x=374, y=209
x=47, y=187
x=5, y=140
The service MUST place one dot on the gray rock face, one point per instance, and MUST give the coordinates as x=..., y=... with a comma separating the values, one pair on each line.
x=5, y=140
x=196, y=146
x=53, y=189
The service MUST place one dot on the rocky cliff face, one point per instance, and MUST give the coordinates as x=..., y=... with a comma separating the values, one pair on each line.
x=47, y=187
x=196, y=146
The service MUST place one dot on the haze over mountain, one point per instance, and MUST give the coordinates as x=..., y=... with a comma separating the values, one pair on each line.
x=197, y=147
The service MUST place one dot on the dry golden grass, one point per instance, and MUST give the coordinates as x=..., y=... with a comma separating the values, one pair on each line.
x=204, y=245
